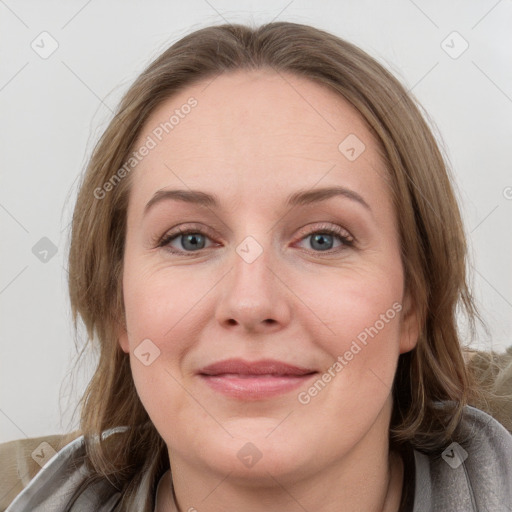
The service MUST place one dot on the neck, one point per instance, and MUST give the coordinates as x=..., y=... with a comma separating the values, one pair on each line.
x=368, y=478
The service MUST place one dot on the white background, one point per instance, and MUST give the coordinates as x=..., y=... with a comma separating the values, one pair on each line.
x=54, y=109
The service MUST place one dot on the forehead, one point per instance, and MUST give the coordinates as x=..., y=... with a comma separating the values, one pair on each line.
x=257, y=130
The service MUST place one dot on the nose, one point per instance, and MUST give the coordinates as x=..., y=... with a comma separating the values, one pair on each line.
x=253, y=298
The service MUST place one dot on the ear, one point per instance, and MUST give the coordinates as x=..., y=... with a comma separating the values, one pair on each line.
x=409, y=330
x=122, y=339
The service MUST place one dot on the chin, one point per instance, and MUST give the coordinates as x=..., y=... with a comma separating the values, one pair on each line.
x=256, y=459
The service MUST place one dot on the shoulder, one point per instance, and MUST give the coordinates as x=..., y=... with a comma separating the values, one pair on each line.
x=22, y=459
x=493, y=373
x=59, y=484
x=472, y=473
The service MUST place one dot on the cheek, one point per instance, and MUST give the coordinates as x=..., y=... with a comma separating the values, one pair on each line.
x=156, y=303
x=163, y=314
x=156, y=317
x=355, y=306
x=357, y=321
x=162, y=395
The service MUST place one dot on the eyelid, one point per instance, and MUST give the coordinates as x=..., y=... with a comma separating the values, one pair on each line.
x=182, y=229
x=308, y=230
x=325, y=227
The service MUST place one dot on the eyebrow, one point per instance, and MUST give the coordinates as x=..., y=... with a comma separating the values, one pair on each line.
x=299, y=198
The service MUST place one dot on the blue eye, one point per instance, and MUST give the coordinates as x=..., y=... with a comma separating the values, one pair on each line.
x=324, y=240
x=190, y=240
x=194, y=240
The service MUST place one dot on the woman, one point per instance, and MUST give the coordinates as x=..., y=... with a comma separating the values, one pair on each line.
x=267, y=249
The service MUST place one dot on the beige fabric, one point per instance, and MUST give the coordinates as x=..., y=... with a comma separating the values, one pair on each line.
x=21, y=460
x=494, y=373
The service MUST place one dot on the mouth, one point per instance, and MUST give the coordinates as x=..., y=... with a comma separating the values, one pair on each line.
x=257, y=380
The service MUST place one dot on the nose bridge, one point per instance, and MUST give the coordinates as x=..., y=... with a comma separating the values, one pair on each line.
x=252, y=296
x=252, y=277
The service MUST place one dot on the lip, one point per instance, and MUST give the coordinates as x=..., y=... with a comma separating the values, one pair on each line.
x=254, y=380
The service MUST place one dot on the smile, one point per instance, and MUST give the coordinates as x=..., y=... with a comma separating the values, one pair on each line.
x=258, y=380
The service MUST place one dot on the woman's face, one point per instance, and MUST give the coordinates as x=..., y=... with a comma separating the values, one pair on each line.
x=292, y=260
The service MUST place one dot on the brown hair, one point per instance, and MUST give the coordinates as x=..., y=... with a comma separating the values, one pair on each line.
x=433, y=245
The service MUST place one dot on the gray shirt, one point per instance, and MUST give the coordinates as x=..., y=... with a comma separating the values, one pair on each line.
x=473, y=476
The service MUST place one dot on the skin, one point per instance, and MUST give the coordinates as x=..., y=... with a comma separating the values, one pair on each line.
x=254, y=138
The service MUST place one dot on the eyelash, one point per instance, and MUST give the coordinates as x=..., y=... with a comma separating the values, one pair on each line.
x=328, y=229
